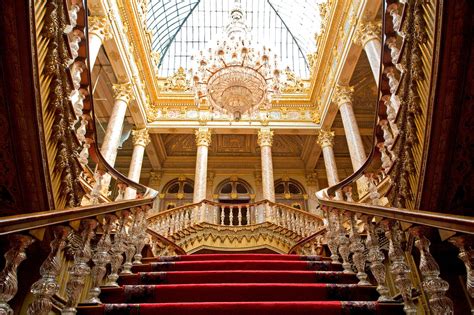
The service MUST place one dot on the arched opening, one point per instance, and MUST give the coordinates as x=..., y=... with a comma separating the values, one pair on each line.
x=177, y=192
x=290, y=192
x=237, y=193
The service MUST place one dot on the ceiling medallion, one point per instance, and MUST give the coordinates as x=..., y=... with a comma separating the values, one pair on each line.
x=234, y=77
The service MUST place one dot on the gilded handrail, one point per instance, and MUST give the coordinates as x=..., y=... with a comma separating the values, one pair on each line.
x=25, y=222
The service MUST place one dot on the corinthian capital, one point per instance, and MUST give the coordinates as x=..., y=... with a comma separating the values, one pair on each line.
x=100, y=26
x=203, y=137
x=367, y=30
x=343, y=94
x=326, y=138
x=265, y=137
x=123, y=91
x=140, y=137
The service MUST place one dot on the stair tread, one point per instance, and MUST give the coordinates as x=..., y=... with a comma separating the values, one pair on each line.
x=237, y=264
x=238, y=276
x=201, y=257
x=239, y=308
x=229, y=292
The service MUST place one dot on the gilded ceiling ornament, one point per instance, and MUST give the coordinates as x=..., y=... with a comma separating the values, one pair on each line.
x=312, y=58
x=177, y=82
x=316, y=116
x=367, y=30
x=203, y=137
x=343, y=94
x=325, y=138
x=123, y=91
x=265, y=137
x=140, y=137
x=293, y=84
x=100, y=26
x=155, y=61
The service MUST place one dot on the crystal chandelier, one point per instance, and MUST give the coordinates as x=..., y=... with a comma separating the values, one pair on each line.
x=234, y=77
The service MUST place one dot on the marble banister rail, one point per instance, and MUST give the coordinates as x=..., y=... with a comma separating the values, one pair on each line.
x=375, y=233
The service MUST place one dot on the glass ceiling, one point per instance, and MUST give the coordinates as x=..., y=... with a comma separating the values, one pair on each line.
x=181, y=28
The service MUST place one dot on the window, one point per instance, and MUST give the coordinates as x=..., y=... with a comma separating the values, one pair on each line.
x=290, y=192
x=177, y=192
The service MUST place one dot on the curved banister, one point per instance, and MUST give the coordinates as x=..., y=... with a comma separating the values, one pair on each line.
x=306, y=240
x=92, y=132
x=25, y=222
x=444, y=221
x=382, y=85
x=178, y=250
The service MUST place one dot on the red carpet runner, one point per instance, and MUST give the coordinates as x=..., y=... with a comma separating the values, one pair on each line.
x=239, y=284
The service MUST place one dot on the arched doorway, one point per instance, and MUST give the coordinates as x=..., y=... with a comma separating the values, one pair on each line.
x=177, y=192
x=237, y=193
x=290, y=192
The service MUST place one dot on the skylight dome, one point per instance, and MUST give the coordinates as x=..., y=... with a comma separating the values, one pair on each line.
x=183, y=27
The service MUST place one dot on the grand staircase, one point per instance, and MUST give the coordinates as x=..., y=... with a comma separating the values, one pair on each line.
x=239, y=284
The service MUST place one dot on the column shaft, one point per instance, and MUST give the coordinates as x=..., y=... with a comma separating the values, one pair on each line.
x=95, y=42
x=373, y=48
x=203, y=141
x=114, y=132
x=265, y=140
x=200, y=177
x=354, y=141
x=140, y=139
x=268, y=188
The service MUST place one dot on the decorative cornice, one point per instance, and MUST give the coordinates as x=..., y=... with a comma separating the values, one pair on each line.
x=123, y=91
x=100, y=26
x=265, y=137
x=366, y=31
x=140, y=137
x=203, y=137
x=325, y=138
x=343, y=94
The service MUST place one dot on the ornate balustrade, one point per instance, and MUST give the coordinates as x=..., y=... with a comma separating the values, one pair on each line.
x=375, y=233
x=234, y=219
x=84, y=243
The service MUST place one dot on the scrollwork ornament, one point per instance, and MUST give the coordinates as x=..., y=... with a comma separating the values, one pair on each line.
x=80, y=269
x=45, y=288
x=8, y=276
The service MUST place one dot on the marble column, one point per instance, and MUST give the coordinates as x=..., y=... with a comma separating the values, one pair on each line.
x=141, y=139
x=123, y=94
x=99, y=31
x=203, y=141
x=265, y=140
x=368, y=36
x=326, y=141
x=343, y=98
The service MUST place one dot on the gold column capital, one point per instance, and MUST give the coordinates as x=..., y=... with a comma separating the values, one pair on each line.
x=265, y=137
x=100, y=26
x=203, y=137
x=325, y=138
x=366, y=31
x=343, y=94
x=123, y=91
x=140, y=137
